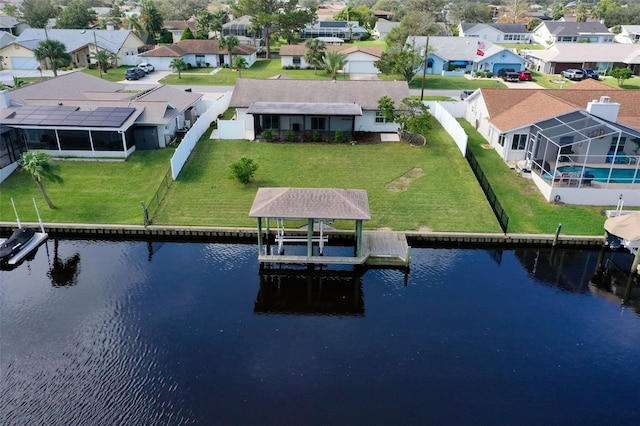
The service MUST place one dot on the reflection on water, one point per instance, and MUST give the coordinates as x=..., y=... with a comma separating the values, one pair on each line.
x=176, y=333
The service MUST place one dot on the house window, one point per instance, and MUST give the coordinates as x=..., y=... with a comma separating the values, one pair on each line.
x=318, y=123
x=200, y=60
x=519, y=142
x=380, y=118
x=615, y=143
x=501, y=139
x=271, y=121
x=296, y=60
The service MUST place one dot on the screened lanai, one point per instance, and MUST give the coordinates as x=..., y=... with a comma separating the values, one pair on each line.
x=581, y=150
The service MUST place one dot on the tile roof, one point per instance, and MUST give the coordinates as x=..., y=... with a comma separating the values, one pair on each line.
x=366, y=93
x=513, y=108
x=198, y=47
x=316, y=203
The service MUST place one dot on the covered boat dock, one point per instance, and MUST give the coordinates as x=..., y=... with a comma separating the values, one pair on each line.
x=318, y=207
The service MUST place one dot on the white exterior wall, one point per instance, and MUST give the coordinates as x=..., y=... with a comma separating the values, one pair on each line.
x=367, y=123
x=364, y=64
x=159, y=63
x=191, y=59
x=478, y=115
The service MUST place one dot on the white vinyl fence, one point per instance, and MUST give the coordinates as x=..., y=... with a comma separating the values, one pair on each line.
x=446, y=113
x=196, y=131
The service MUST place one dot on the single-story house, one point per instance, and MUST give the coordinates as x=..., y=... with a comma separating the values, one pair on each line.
x=197, y=53
x=346, y=30
x=496, y=33
x=5, y=40
x=177, y=27
x=601, y=57
x=79, y=115
x=552, y=32
x=383, y=27
x=325, y=106
x=80, y=44
x=11, y=25
x=581, y=145
x=628, y=34
x=360, y=59
x=464, y=54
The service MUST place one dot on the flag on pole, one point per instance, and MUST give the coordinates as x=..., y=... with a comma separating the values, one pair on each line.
x=480, y=49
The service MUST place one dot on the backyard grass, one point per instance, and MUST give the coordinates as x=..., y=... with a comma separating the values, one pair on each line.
x=630, y=84
x=93, y=192
x=528, y=211
x=204, y=194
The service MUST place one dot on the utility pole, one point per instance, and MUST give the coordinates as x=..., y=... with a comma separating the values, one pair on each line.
x=424, y=68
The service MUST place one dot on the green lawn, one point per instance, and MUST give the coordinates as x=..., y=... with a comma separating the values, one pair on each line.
x=528, y=211
x=92, y=192
x=521, y=46
x=204, y=194
x=438, y=82
x=112, y=74
x=630, y=84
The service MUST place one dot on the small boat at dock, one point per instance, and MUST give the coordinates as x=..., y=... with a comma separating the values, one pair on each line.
x=22, y=242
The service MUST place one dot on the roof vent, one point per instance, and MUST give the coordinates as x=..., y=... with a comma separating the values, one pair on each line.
x=605, y=99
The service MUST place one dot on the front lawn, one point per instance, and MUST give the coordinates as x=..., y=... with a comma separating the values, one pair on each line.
x=112, y=74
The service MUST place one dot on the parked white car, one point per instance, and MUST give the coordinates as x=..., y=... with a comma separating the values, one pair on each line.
x=146, y=67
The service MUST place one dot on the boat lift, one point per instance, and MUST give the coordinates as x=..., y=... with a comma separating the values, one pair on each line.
x=37, y=239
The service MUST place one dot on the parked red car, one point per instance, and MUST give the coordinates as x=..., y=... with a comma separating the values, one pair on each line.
x=524, y=75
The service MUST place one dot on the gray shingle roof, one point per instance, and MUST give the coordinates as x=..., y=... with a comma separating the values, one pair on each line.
x=316, y=203
x=366, y=93
x=304, y=108
x=111, y=40
x=560, y=28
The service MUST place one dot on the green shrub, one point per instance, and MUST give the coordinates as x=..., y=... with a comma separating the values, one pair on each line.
x=338, y=136
x=307, y=136
x=365, y=36
x=289, y=136
x=317, y=136
x=267, y=134
x=244, y=169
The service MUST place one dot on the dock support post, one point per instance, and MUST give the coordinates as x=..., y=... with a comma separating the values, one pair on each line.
x=358, y=238
x=555, y=239
x=260, y=235
x=632, y=273
x=310, y=237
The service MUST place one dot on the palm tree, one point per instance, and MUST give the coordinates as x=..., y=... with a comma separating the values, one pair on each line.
x=229, y=43
x=179, y=65
x=104, y=59
x=239, y=62
x=134, y=24
x=54, y=52
x=40, y=166
x=151, y=19
x=334, y=62
x=315, y=53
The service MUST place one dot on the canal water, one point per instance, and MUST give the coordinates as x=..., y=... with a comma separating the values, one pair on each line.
x=136, y=333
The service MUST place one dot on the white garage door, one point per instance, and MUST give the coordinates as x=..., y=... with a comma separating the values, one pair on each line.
x=19, y=63
x=362, y=67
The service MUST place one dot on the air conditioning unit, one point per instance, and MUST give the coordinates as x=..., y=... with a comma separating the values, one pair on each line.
x=605, y=99
x=187, y=124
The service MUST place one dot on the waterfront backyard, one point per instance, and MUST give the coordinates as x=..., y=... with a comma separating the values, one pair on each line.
x=409, y=188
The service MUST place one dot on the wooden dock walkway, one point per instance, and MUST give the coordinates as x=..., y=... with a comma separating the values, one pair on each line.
x=378, y=249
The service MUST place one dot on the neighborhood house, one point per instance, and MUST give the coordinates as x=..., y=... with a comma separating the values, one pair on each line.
x=579, y=145
x=317, y=105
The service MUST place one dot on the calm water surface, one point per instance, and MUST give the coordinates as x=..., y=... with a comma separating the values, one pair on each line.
x=130, y=333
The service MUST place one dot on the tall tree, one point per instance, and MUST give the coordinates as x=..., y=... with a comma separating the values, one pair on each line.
x=334, y=62
x=362, y=14
x=53, y=52
x=229, y=43
x=181, y=9
x=76, y=15
x=40, y=166
x=400, y=61
x=264, y=14
x=178, y=65
x=36, y=13
x=134, y=24
x=414, y=24
x=150, y=19
x=515, y=11
x=292, y=20
x=315, y=53
x=468, y=11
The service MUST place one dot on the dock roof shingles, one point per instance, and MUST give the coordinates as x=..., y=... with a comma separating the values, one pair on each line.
x=311, y=203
